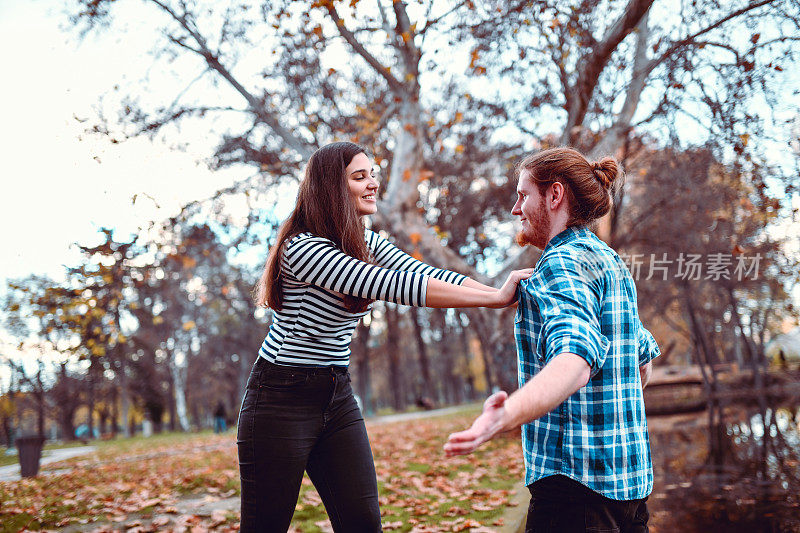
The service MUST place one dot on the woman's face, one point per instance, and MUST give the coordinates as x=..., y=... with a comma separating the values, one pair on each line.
x=363, y=184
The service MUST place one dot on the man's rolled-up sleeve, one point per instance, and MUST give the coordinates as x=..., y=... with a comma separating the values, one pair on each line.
x=569, y=304
x=647, y=346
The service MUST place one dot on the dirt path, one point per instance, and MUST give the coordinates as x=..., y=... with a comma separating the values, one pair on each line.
x=11, y=472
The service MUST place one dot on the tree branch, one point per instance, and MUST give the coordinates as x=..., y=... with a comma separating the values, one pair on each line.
x=348, y=36
x=212, y=60
x=612, y=139
x=438, y=19
x=557, y=55
x=593, y=64
x=408, y=50
x=680, y=43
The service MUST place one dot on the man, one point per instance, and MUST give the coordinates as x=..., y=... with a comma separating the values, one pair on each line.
x=584, y=358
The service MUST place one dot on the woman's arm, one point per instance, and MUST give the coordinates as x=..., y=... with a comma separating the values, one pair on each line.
x=390, y=256
x=471, y=283
x=317, y=261
x=441, y=294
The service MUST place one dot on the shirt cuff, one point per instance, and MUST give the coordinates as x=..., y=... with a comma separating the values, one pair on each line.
x=423, y=291
x=579, y=338
x=648, y=347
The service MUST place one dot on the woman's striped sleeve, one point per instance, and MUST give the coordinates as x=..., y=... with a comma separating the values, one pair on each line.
x=317, y=261
x=390, y=256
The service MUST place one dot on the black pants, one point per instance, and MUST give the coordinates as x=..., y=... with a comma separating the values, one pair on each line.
x=294, y=420
x=562, y=505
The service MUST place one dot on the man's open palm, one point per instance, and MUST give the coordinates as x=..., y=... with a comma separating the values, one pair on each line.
x=486, y=426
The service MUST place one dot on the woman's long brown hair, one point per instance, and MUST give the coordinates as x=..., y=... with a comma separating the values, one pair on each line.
x=324, y=208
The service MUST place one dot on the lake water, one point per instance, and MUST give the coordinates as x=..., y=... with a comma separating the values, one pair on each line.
x=732, y=477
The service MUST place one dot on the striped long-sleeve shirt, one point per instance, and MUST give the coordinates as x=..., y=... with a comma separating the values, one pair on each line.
x=314, y=328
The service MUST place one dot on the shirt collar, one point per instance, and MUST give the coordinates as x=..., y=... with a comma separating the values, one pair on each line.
x=568, y=235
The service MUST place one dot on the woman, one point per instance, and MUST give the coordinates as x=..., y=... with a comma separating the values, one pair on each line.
x=298, y=413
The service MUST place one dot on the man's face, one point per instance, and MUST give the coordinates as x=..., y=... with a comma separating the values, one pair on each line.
x=533, y=213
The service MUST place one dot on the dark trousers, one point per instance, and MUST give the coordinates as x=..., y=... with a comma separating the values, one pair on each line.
x=562, y=505
x=294, y=420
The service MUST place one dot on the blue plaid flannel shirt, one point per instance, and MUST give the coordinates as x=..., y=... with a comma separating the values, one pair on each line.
x=581, y=299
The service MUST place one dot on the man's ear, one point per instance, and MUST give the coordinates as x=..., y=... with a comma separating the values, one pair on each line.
x=556, y=194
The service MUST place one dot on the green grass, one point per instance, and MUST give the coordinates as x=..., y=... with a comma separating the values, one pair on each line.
x=116, y=446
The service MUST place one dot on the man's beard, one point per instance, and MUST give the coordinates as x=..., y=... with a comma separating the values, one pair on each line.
x=538, y=228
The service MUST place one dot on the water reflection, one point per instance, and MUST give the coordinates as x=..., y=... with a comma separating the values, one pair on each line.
x=729, y=477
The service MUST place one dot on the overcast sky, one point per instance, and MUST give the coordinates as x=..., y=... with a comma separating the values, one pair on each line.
x=57, y=190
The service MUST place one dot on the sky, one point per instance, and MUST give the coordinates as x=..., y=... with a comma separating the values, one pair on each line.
x=58, y=186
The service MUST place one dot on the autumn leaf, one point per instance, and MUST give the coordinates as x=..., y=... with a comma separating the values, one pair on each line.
x=745, y=138
x=474, y=55
x=425, y=175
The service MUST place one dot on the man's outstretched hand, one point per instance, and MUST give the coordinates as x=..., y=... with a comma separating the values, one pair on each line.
x=486, y=426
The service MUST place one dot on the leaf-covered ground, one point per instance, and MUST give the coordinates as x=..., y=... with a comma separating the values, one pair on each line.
x=143, y=484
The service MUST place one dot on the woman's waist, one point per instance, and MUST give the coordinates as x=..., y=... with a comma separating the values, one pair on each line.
x=315, y=341
x=288, y=369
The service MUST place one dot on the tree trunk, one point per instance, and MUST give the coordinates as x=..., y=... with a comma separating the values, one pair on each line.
x=361, y=359
x=92, y=374
x=178, y=374
x=393, y=353
x=171, y=402
x=428, y=388
x=65, y=422
x=114, y=411
x=447, y=363
x=709, y=375
x=124, y=398
x=103, y=422
x=7, y=430
x=40, y=417
x=485, y=336
x=245, y=365
x=463, y=337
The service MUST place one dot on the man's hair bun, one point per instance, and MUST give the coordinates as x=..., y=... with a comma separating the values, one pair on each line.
x=606, y=171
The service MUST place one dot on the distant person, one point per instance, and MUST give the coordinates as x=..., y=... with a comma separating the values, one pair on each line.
x=322, y=274
x=220, y=423
x=584, y=359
